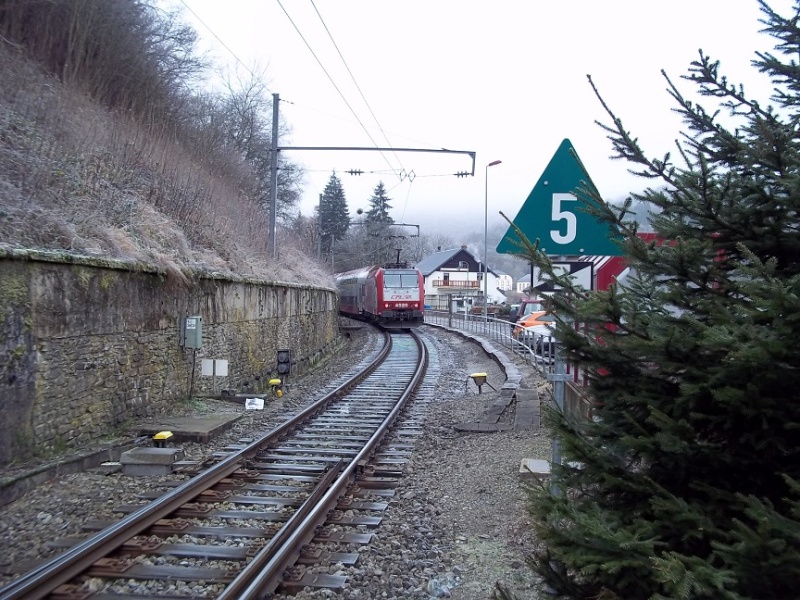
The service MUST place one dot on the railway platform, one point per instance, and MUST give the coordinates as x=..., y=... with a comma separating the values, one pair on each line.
x=17, y=481
x=190, y=429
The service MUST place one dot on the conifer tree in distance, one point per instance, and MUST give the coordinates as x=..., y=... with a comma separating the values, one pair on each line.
x=685, y=481
x=334, y=215
x=377, y=226
x=379, y=206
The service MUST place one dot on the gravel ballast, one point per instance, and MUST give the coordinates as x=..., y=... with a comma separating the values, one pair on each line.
x=457, y=522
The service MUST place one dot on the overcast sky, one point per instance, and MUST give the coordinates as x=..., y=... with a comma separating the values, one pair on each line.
x=505, y=79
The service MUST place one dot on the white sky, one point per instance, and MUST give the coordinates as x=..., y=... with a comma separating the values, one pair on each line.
x=505, y=79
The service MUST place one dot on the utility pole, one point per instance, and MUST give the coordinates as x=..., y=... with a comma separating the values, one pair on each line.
x=273, y=216
x=319, y=229
x=275, y=149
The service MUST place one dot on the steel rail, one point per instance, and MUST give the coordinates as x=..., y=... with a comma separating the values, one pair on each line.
x=44, y=579
x=262, y=575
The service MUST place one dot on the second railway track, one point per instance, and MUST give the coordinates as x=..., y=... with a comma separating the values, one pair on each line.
x=270, y=513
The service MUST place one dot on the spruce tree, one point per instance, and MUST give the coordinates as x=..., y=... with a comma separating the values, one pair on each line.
x=379, y=206
x=334, y=216
x=684, y=481
x=377, y=241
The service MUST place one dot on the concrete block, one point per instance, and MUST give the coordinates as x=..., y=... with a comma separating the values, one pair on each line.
x=189, y=429
x=151, y=456
x=532, y=468
x=146, y=470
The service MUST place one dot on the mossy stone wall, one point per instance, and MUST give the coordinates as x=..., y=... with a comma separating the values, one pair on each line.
x=88, y=345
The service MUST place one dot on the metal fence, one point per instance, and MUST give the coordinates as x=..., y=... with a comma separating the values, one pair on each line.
x=538, y=351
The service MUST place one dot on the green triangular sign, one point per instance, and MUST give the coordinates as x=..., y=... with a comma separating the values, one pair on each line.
x=554, y=214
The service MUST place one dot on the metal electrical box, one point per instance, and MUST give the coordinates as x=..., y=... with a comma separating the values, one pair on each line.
x=284, y=360
x=192, y=332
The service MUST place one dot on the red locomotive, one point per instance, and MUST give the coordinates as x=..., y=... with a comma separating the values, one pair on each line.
x=391, y=296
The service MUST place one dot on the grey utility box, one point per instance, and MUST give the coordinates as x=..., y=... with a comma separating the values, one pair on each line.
x=192, y=332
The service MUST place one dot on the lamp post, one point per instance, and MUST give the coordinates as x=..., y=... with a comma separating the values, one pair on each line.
x=485, y=236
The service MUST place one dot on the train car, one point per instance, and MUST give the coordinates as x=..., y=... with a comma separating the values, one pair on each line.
x=390, y=296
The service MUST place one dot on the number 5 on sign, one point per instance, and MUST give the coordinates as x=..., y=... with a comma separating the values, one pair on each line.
x=555, y=213
x=564, y=215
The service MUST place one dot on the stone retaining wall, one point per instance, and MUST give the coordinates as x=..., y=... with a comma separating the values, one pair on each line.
x=87, y=345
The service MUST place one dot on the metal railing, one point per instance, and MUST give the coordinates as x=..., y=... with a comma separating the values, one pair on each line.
x=467, y=284
x=570, y=391
x=538, y=350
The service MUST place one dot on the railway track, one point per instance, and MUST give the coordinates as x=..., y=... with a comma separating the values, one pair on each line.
x=273, y=512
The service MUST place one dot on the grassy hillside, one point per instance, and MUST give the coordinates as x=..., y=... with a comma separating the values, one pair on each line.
x=82, y=176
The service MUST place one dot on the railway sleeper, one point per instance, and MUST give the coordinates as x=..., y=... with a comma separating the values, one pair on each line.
x=295, y=580
x=167, y=527
x=207, y=551
x=316, y=556
x=112, y=568
x=370, y=483
x=325, y=535
x=345, y=503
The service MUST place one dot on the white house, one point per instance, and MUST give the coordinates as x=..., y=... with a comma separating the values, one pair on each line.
x=455, y=275
x=504, y=281
x=523, y=283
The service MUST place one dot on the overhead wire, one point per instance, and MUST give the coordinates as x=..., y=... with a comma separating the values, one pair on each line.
x=333, y=83
x=403, y=175
x=405, y=204
x=224, y=45
x=358, y=87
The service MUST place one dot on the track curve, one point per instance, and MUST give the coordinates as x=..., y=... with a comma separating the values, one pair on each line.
x=273, y=493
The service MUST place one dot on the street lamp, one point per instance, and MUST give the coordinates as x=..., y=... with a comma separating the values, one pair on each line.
x=485, y=236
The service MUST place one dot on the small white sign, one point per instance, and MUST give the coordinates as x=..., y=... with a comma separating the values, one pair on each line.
x=254, y=404
x=214, y=367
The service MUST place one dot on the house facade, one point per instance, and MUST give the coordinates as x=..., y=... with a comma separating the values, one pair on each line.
x=456, y=276
x=523, y=283
x=505, y=282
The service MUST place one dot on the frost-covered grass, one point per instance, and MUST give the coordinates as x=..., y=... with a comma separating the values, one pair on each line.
x=76, y=177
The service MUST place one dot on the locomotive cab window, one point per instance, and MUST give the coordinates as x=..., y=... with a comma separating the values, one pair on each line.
x=400, y=280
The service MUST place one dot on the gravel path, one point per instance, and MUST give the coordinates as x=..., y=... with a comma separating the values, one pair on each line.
x=456, y=525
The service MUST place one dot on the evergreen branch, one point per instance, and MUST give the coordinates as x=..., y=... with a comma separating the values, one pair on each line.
x=627, y=147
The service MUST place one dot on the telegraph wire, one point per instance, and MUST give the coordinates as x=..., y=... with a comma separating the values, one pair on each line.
x=355, y=82
x=324, y=70
x=333, y=83
x=224, y=45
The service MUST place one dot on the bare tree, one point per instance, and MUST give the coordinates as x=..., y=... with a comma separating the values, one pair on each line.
x=248, y=113
x=426, y=244
x=306, y=233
